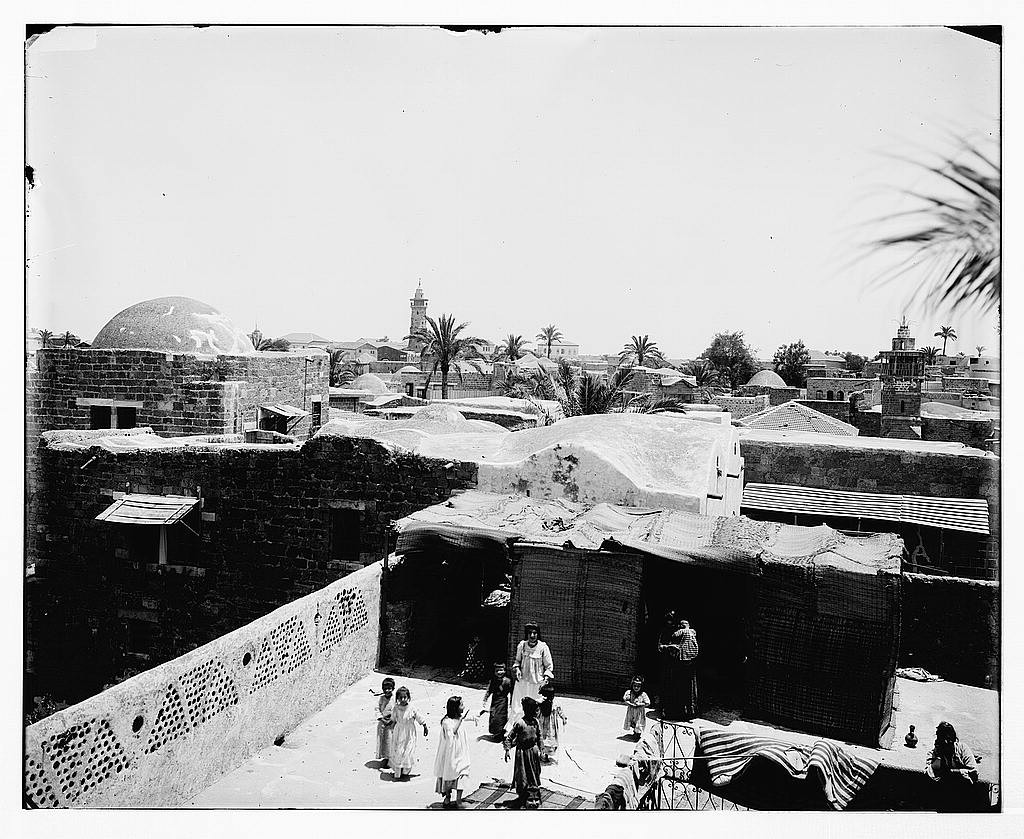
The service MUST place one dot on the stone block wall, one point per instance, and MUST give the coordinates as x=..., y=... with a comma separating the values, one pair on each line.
x=973, y=433
x=950, y=626
x=267, y=533
x=165, y=735
x=894, y=472
x=832, y=408
x=741, y=406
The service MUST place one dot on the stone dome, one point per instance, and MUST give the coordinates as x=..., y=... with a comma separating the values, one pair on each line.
x=370, y=382
x=174, y=325
x=766, y=378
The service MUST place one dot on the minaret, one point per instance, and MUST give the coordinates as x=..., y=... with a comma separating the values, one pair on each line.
x=418, y=314
x=902, y=373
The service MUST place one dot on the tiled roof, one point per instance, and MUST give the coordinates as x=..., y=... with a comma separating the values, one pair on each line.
x=793, y=416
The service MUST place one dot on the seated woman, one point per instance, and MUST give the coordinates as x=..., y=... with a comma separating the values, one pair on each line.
x=952, y=766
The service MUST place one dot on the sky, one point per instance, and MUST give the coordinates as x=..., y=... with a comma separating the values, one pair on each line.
x=675, y=182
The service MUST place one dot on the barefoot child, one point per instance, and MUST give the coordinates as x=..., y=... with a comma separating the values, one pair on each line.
x=637, y=703
x=498, y=692
x=550, y=719
x=525, y=736
x=385, y=724
x=403, y=738
x=451, y=766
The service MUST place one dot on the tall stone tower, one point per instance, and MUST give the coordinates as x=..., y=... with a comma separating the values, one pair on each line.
x=902, y=374
x=418, y=315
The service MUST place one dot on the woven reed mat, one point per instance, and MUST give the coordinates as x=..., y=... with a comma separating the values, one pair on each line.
x=488, y=795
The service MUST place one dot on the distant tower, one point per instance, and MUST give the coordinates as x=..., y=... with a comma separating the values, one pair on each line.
x=418, y=315
x=902, y=373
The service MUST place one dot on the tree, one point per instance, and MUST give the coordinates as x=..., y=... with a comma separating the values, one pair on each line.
x=639, y=351
x=946, y=333
x=511, y=348
x=854, y=361
x=705, y=376
x=584, y=394
x=790, y=362
x=980, y=349
x=548, y=335
x=954, y=231
x=931, y=354
x=730, y=355
x=45, y=336
x=443, y=342
x=69, y=340
x=273, y=345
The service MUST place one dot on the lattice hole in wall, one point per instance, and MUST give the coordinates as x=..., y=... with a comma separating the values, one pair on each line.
x=300, y=652
x=106, y=757
x=67, y=753
x=284, y=649
x=209, y=689
x=171, y=721
x=38, y=787
x=353, y=610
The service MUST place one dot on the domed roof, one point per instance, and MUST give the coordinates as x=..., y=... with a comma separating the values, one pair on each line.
x=767, y=378
x=370, y=382
x=173, y=324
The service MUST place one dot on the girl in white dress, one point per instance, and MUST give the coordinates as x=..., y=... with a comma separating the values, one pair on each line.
x=533, y=669
x=404, y=734
x=451, y=766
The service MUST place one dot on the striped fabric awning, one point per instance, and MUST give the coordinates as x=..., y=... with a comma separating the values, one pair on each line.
x=969, y=514
x=842, y=773
x=148, y=509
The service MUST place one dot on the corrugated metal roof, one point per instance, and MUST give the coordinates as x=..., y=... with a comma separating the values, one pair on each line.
x=148, y=509
x=968, y=514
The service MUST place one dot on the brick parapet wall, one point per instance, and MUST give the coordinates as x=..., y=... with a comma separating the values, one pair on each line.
x=832, y=408
x=265, y=531
x=165, y=735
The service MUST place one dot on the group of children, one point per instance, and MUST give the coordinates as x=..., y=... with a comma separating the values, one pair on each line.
x=534, y=732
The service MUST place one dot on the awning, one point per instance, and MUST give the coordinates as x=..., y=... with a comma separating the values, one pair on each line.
x=148, y=509
x=968, y=514
x=282, y=410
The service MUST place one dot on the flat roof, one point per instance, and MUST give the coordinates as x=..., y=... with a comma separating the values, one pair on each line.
x=880, y=443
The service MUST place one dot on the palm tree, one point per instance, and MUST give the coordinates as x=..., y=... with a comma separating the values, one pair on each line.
x=548, y=335
x=45, y=336
x=443, y=342
x=706, y=376
x=980, y=349
x=585, y=394
x=272, y=345
x=955, y=232
x=946, y=333
x=511, y=348
x=930, y=354
x=70, y=340
x=640, y=350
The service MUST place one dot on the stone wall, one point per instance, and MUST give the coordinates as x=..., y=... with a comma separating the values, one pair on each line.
x=165, y=735
x=741, y=406
x=829, y=407
x=950, y=627
x=974, y=433
x=276, y=523
x=891, y=471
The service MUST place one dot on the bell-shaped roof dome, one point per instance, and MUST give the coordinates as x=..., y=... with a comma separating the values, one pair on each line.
x=370, y=382
x=173, y=324
x=767, y=378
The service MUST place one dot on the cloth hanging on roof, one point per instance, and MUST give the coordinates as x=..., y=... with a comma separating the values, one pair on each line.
x=148, y=509
x=842, y=774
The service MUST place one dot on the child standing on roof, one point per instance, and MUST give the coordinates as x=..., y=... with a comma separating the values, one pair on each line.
x=385, y=723
x=498, y=692
x=405, y=735
x=637, y=703
x=451, y=766
x=550, y=720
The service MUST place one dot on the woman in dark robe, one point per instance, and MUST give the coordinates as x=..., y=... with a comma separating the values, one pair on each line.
x=525, y=737
x=678, y=649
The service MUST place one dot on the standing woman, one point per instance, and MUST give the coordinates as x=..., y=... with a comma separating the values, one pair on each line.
x=533, y=669
x=679, y=650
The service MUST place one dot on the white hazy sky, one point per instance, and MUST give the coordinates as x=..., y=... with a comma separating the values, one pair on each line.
x=676, y=182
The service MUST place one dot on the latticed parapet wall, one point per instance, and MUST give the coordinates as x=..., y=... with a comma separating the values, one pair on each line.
x=161, y=737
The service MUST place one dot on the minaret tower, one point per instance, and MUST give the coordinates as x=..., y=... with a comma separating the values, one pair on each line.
x=418, y=314
x=902, y=374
